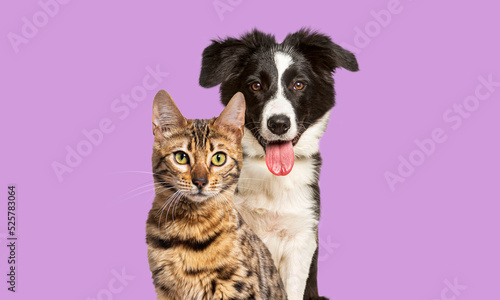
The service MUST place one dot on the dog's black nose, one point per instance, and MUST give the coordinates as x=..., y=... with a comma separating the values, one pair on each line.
x=200, y=182
x=278, y=124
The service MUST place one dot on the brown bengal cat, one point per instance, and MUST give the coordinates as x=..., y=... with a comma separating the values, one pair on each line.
x=199, y=247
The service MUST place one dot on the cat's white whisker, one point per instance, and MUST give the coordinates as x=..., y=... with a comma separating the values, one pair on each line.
x=174, y=211
x=141, y=172
x=167, y=202
x=179, y=195
x=156, y=184
x=138, y=194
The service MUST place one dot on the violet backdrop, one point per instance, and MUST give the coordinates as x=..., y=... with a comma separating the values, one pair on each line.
x=409, y=186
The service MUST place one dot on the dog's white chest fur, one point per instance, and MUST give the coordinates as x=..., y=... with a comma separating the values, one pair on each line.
x=283, y=205
x=280, y=209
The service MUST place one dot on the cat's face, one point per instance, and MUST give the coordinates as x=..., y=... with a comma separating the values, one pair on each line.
x=197, y=159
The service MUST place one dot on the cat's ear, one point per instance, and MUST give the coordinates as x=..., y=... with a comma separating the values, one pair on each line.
x=233, y=116
x=166, y=115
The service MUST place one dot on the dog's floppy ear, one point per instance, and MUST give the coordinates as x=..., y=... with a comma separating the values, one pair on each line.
x=321, y=51
x=219, y=59
x=228, y=56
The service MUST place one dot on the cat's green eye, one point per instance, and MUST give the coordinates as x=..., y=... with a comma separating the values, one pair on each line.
x=181, y=158
x=218, y=159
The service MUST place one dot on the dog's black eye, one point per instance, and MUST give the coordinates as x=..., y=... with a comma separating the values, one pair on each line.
x=256, y=86
x=298, y=86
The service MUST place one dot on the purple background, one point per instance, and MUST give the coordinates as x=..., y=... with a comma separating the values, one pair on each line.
x=441, y=223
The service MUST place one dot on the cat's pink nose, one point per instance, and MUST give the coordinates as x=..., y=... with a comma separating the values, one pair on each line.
x=200, y=182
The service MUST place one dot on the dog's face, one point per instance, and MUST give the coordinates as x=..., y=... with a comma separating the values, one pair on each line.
x=288, y=88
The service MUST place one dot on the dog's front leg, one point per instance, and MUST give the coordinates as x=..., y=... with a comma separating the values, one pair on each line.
x=295, y=263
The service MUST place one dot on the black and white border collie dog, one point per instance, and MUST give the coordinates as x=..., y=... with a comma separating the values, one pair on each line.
x=289, y=93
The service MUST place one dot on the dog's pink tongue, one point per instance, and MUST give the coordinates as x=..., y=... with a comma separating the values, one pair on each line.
x=280, y=158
